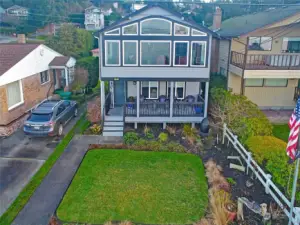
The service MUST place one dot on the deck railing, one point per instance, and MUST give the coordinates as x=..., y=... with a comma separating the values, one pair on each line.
x=266, y=61
x=155, y=109
x=186, y=109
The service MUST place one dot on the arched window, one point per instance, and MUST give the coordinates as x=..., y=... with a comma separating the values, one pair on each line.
x=131, y=29
x=198, y=33
x=156, y=26
x=113, y=32
x=180, y=30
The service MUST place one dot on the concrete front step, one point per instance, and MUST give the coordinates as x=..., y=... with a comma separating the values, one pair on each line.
x=106, y=128
x=112, y=133
x=113, y=118
x=113, y=123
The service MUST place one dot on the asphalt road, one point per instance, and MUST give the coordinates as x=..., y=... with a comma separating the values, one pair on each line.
x=21, y=157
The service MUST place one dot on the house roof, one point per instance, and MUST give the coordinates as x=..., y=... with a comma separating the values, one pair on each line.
x=149, y=6
x=240, y=25
x=16, y=7
x=59, y=61
x=11, y=54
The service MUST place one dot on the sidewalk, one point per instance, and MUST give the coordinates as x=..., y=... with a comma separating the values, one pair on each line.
x=48, y=195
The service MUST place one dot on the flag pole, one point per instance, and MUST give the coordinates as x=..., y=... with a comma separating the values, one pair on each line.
x=294, y=189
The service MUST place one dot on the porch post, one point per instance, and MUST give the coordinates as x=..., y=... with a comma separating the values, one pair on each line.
x=138, y=99
x=67, y=76
x=102, y=96
x=171, y=98
x=206, y=98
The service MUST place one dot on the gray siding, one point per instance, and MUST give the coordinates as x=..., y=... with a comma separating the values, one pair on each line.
x=192, y=88
x=224, y=55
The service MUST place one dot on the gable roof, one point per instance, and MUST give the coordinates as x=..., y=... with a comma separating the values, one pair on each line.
x=240, y=25
x=59, y=61
x=16, y=7
x=149, y=6
x=11, y=54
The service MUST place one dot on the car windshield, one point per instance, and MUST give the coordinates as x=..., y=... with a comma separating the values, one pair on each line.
x=40, y=117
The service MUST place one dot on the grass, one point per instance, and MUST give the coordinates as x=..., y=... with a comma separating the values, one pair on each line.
x=281, y=131
x=142, y=187
x=36, y=180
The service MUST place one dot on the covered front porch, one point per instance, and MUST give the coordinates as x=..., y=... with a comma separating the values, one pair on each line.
x=157, y=101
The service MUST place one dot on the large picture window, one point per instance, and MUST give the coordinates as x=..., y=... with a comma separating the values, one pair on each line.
x=291, y=44
x=44, y=77
x=275, y=82
x=14, y=94
x=155, y=53
x=181, y=52
x=130, y=53
x=198, y=54
x=156, y=26
x=112, y=53
x=260, y=43
x=131, y=29
x=114, y=32
x=198, y=33
x=254, y=82
x=180, y=30
x=150, y=89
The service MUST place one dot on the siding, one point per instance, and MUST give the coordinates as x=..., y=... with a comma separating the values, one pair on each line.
x=273, y=97
x=224, y=55
x=234, y=83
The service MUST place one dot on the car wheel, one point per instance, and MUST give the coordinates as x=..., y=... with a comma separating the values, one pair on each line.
x=76, y=112
x=60, y=130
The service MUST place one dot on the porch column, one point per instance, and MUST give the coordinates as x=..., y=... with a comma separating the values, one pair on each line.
x=102, y=97
x=67, y=76
x=171, y=98
x=138, y=99
x=206, y=98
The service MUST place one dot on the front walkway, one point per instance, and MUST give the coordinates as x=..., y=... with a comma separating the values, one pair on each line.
x=278, y=116
x=48, y=195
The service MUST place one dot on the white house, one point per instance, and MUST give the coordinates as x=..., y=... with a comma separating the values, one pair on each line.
x=93, y=18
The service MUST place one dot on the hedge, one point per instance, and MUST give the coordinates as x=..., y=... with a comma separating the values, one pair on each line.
x=270, y=153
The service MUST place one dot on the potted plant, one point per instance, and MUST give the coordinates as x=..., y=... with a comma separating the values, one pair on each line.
x=130, y=103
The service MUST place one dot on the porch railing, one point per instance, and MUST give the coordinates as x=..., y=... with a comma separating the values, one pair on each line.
x=155, y=109
x=186, y=109
x=266, y=61
x=130, y=109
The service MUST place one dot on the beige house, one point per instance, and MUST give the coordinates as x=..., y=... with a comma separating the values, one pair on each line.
x=260, y=55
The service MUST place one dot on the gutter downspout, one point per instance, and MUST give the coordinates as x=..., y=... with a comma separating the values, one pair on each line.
x=244, y=66
x=228, y=63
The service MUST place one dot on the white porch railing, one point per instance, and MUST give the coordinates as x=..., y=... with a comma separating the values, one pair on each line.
x=265, y=179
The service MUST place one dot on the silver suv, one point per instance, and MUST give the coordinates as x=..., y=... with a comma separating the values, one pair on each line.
x=50, y=117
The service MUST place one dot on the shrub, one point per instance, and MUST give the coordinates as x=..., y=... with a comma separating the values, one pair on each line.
x=147, y=132
x=189, y=133
x=156, y=146
x=95, y=129
x=171, y=130
x=163, y=137
x=241, y=115
x=175, y=147
x=130, y=138
x=231, y=181
x=271, y=153
x=94, y=110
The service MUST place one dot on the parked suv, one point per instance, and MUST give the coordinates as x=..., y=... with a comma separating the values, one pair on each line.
x=50, y=117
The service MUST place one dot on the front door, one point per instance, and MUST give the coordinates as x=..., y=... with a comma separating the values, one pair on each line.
x=119, y=97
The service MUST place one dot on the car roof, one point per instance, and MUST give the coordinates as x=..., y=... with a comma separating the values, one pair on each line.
x=46, y=106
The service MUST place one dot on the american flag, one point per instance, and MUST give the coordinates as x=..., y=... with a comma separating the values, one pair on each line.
x=294, y=124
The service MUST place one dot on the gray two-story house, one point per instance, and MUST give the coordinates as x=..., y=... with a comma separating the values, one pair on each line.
x=158, y=67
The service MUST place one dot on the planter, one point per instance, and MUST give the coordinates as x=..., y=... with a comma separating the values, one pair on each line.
x=130, y=105
x=231, y=210
x=198, y=110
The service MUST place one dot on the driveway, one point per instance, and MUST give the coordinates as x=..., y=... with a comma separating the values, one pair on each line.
x=20, y=158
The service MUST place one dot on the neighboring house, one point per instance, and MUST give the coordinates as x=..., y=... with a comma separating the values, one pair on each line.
x=260, y=55
x=95, y=52
x=18, y=11
x=28, y=75
x=93, y=18
x=158, y=66
x=137, y=6
x=2, y=12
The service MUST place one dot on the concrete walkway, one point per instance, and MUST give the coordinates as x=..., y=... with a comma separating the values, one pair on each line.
x=48, y=195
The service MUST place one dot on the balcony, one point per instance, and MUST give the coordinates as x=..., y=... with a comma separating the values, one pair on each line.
x=266, y=62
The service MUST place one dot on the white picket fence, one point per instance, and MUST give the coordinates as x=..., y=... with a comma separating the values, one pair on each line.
x=265, y=179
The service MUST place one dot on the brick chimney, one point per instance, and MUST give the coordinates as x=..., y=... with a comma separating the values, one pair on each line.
x=21, y=39
x=217, y=19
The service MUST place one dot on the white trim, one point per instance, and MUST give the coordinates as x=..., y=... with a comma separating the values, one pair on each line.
x=187, y=54
x=146, y=41
x=107, y=32
x=123, y=55
x=21, y=93
x=137, y=29
x=198, y=35
x=177, y=24
x=49, y=75
x=191, y=53
x=175, y=89
x=119, y=45
x=170, y=23
x=149, y=89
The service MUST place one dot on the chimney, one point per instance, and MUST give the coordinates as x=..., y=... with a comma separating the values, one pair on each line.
x=217, y=19
x=21, y=39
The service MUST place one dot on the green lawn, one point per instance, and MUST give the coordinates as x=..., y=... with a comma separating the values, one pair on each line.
x=142, y=187
x=281, y=131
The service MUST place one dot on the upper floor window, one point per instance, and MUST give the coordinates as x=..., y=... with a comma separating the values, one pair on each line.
x=156, y=26
x=291, y=44
x=198, y=54
x=181, y=53
x=155, y=53
x=260, y=43
x=113, y=32
x=131, y=29
x=112, y=53
x=198, y=33
x=44, y=77
x=130, y=53
x=180, y=30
